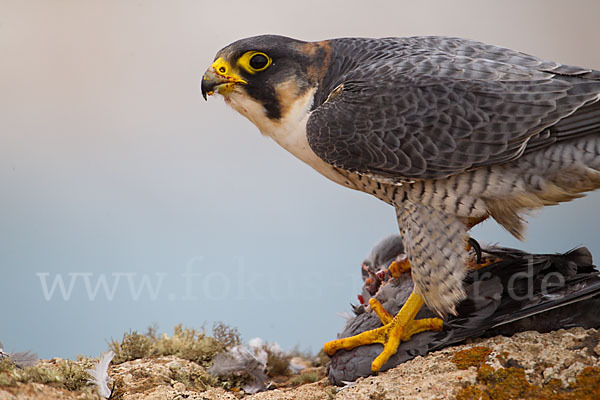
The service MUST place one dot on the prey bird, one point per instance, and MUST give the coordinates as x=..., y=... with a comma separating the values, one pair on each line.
x=449, y=131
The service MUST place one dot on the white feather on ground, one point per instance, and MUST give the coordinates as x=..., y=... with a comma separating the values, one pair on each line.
x=2, y=353
x=241, y=361
x=100, y=374
x=257, y=345
x=21, y=359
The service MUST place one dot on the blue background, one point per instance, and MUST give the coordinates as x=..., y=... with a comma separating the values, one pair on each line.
x=112, y=165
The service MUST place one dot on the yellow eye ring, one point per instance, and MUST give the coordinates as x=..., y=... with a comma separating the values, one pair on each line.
x=255, y=61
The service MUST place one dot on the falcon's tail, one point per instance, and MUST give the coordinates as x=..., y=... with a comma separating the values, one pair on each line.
x=559, y=165
x=584, y=121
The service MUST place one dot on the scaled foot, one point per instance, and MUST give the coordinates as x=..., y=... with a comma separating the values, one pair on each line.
x=394, y=330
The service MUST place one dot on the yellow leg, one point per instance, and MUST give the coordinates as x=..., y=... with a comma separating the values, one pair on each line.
x=395, y=330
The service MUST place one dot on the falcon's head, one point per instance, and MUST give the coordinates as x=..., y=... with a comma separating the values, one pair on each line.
x=266, y=77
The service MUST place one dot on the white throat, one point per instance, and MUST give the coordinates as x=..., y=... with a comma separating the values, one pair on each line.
x=289, y=131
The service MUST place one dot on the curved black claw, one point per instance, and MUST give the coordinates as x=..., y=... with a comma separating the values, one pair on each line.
x=475, y=245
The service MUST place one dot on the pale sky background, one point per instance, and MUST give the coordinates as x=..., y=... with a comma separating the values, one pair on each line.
x=112, y=166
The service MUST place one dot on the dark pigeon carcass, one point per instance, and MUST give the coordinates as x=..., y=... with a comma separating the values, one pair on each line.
x=516, y=291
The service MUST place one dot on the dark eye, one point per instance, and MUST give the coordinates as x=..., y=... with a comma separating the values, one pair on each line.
x=259, y=61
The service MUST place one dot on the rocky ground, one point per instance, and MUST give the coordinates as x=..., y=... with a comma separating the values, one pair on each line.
x=559, y=365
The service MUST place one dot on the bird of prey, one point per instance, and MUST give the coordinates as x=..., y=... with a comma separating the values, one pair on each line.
x=449, y=131
x=516, y=292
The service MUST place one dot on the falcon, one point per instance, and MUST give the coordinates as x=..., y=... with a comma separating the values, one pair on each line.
x=449, y=131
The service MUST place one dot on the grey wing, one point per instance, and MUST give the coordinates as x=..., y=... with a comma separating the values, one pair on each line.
x=432, y=116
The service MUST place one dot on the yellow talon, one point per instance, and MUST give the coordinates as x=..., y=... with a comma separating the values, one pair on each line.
x=397, y=268
x=395, y=330
x=384, y=316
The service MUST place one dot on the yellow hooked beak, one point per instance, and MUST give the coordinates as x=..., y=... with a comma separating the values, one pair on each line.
x=219, y=77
